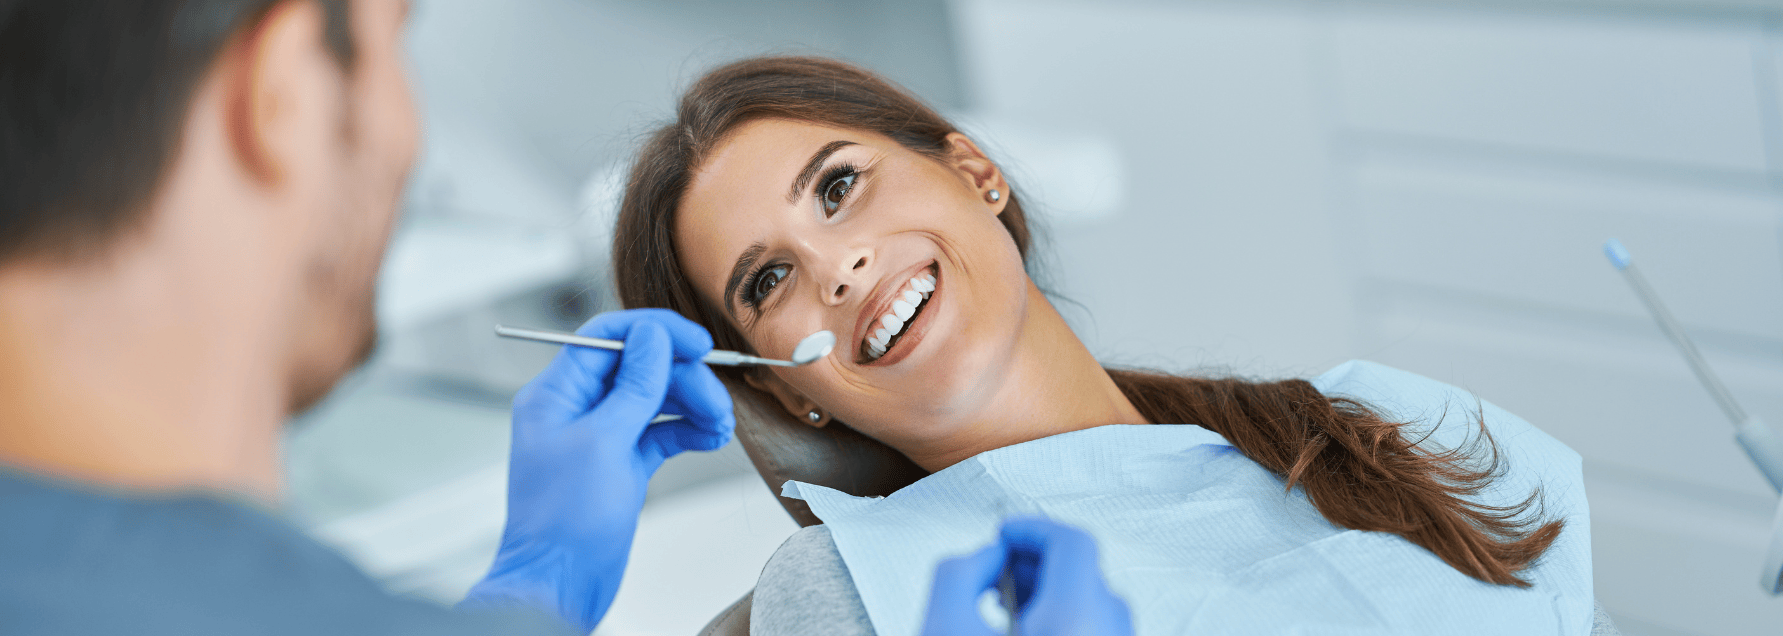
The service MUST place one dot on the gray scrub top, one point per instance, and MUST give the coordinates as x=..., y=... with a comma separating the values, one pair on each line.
x=75, y=560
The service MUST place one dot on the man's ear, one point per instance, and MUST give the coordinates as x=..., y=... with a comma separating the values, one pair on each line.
x=269, y=86
x=790, y=399
x=980, y=173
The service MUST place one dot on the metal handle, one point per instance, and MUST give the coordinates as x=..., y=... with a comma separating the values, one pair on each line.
x=717, y=356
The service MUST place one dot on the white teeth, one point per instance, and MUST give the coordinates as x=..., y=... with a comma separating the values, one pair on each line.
x=877, y=343
x=902, y=309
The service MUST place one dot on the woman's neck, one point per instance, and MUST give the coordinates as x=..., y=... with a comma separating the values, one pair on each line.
x=1052, y=386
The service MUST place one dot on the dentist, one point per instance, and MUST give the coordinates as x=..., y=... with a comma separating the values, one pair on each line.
x=197, y=197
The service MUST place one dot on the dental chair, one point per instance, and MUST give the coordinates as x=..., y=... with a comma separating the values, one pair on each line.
x=785, y=449
x=838, y=457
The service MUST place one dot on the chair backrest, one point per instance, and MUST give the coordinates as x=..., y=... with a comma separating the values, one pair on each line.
x=834, y=456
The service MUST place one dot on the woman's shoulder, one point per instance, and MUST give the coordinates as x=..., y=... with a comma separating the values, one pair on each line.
x=1414, y=399
x=1450, y=415
x=1367, y=376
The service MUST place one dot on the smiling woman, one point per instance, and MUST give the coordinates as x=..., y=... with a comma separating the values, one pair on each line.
x=796, y=194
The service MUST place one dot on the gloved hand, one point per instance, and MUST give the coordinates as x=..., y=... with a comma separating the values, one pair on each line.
x=1058, y=585
x=583, y=451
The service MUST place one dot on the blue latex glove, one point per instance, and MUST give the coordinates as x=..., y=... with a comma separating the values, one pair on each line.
x=583, y=451
x=1058, y=585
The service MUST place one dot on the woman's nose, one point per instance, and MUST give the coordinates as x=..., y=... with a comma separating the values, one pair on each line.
x=850, y=274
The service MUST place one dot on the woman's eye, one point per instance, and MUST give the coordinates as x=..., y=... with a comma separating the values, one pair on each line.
x=767, y=281
x=835, y=192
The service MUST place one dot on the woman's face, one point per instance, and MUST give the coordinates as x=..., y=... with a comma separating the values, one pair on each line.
x=790, y=228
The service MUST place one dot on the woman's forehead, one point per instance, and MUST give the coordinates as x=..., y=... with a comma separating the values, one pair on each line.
x=765, y=155
x=754, y=160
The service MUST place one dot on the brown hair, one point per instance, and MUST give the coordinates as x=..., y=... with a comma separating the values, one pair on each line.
x=1356, y=467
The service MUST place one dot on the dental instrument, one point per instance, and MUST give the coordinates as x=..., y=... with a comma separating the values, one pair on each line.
x=1758, y=440
x=1761, y=443
x=1022, y=566
x=812, y=348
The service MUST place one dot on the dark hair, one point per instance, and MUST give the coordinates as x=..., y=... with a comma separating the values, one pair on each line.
x=1356, y=467
x=93, y=97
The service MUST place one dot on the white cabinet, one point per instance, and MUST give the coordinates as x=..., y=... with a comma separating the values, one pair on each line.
x=1670, y=91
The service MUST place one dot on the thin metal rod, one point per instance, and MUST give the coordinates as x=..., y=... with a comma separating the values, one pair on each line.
x=1670, y=326
x=723, y=357
x=540, y=335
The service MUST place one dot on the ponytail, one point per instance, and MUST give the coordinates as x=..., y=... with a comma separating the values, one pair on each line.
x=1357, y=468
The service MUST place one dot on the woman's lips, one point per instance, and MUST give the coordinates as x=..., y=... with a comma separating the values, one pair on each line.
x=880, y=302
x=898, y=328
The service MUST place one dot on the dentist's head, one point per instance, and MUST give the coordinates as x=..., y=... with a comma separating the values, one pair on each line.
x=198, y=194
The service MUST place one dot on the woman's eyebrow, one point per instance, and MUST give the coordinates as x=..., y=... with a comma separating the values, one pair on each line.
x=811, y=168
x=745, y=262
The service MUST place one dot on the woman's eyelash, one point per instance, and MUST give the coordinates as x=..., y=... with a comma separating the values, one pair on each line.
x=748, y=290
x=834, y=188
x=835, y=172
x=753, y=282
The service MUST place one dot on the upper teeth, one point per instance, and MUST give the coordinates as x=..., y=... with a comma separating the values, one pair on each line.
x=902, y=309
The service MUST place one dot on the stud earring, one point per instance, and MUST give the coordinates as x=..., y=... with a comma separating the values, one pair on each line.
x=993, y=196
x=814, y=416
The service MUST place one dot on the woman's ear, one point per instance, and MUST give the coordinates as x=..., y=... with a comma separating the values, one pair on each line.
x=980, y=173
x=795, y=403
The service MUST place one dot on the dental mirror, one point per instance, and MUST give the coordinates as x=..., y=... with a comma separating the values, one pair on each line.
x=814, y=346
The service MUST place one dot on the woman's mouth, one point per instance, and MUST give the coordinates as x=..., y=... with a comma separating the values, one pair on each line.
x=913, y=296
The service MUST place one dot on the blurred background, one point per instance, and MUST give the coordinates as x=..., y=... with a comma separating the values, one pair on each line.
x=1264, y=187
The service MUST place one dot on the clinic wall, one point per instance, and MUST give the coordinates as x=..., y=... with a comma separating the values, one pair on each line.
x=1428, y=185
x=1221, y=255
x=566, y=87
